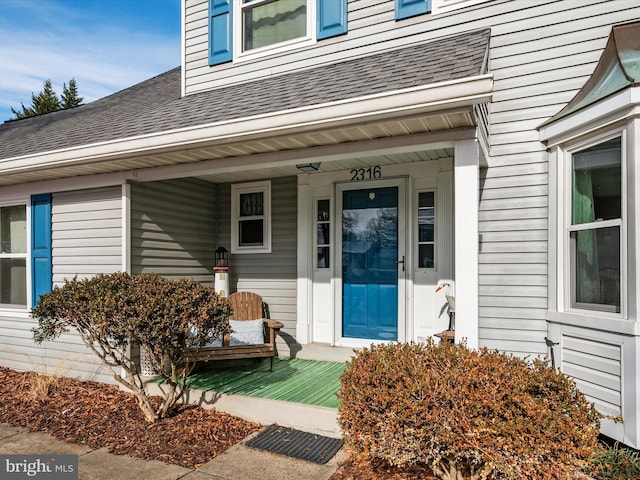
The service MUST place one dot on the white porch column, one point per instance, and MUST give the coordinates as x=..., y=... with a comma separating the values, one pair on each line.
x=466, y=185
x=305, y=212
x=126, y=227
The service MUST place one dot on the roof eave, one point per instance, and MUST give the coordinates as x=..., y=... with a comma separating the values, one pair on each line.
x=426, y=98
x=607, y=112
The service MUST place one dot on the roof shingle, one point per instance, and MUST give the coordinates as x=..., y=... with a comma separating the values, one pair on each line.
x=155, y=105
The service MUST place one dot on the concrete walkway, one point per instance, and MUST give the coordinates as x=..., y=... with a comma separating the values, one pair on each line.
x=237, y=463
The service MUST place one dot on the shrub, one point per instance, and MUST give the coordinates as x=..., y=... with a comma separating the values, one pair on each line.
x=165, y=317
x=464, y=413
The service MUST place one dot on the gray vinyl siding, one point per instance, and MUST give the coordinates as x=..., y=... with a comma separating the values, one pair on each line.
x=86, y=240
x=271, y=275
x=173, y=228
x=596, y=367
x=537, y=66
x=513, y=261
x=86, y=233
x=66, y=356
x=17, y=348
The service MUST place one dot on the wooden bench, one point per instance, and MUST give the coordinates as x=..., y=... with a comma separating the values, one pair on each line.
x=448, y=336
x=246, y=306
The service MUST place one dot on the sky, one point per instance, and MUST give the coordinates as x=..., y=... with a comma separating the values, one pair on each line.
x=106, y=45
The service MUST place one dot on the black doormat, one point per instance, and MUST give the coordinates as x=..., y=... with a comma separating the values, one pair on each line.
x=294, y=443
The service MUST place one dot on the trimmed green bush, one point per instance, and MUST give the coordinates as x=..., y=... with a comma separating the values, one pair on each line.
x=112, y=312
x=465, y=413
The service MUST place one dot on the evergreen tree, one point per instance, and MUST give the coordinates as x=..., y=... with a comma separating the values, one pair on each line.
x=47, y=101
x=70, y=96
x=26, y=112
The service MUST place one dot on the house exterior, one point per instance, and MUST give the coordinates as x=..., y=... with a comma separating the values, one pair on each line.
x=352, y=155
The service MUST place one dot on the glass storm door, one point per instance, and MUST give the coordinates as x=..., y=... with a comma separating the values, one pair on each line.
x=370, y=263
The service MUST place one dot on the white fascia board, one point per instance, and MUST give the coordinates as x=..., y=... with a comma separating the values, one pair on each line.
x=609, y=111
x=427, y=98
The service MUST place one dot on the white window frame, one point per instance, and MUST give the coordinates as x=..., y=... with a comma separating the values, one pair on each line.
x=317, y=222
x=245, y=188
x=444, y=6
x=567, y=265
x=417, y=228
x=240, y=55
x=26, y=255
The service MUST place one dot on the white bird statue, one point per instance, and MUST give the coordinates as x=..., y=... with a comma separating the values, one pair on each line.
x=451, y=301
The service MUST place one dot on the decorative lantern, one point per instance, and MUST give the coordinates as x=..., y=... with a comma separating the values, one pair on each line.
x=222, y=258
x=221, y=272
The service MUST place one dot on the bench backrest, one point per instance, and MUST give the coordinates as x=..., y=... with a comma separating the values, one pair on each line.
x=246, y=306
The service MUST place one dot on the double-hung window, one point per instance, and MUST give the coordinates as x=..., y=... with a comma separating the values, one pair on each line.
x=241, y=28
x=594, y=230
x=25, y=252
x=251, y=217
x=13, y=256
x=265, y=23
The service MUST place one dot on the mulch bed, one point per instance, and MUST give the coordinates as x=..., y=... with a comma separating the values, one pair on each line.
x=103, y=416
x=100, y=415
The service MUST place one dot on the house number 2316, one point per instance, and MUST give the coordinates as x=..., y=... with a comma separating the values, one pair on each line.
x=365, y=173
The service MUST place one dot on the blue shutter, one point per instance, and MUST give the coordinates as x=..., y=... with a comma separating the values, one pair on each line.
x=331, y=18
x=41, y=275
x=220, y=31
x=411, y=8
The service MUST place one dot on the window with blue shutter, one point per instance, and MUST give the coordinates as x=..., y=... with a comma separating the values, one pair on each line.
x=331, y=18
x=41, y=274
x=220, y=31
x=268, y=23
x=411, y=8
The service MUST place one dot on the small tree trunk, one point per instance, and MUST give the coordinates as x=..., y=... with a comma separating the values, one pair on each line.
x=147, y=408
x=168, y=401
x=137, y=389
x=133, y=382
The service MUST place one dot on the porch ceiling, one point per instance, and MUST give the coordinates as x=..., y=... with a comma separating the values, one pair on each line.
x=279, y=154
x=249, y=174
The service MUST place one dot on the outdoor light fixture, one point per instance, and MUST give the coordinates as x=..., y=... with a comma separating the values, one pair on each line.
x=222, y=257
x=308, y=167
x=221, y=272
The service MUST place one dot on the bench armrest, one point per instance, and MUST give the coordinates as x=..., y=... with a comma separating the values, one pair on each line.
x=274, y=328
x=273, y=323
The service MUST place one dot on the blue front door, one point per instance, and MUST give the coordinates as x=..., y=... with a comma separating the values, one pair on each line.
x=369, y=263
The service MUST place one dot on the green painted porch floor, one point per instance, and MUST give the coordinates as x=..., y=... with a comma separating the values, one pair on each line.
x=310, y=382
